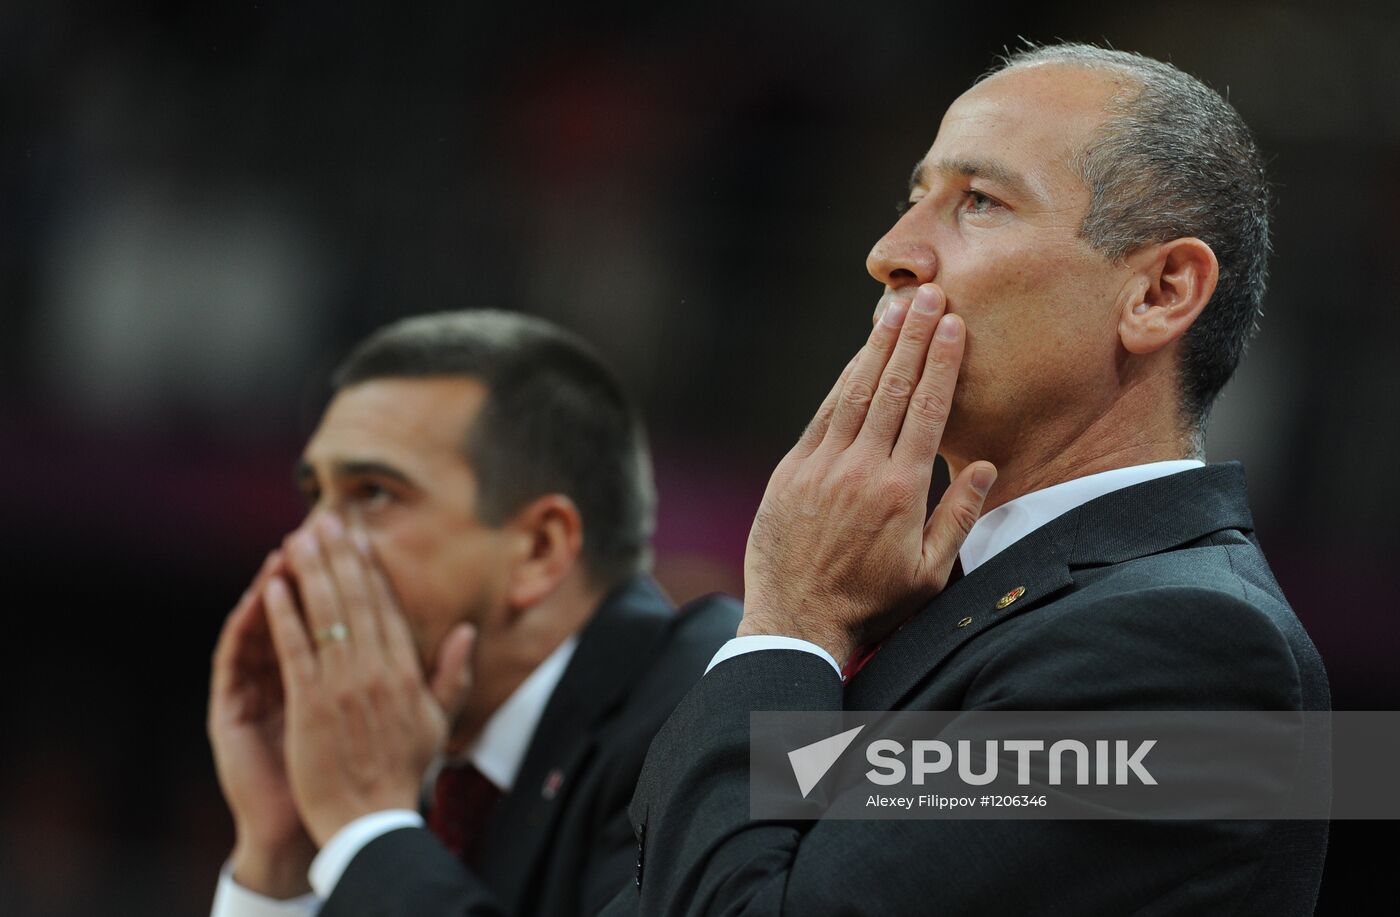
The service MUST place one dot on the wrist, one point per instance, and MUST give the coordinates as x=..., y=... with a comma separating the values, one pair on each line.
x=325, y=825
x=275, y=871
x=837, y=641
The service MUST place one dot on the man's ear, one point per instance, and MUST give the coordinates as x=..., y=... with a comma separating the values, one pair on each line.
x=1175, y=281
x=548, y=541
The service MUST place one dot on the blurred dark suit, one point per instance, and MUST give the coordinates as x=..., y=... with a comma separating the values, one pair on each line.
x=559, y=843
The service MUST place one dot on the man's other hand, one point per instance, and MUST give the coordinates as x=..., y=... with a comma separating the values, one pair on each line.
x=273, y=851
x=840, y=552
x=362, y=723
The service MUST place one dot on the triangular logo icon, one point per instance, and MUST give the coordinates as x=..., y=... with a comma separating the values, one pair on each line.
x=811, y=762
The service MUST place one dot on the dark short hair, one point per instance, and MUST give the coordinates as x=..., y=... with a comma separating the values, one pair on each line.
x=1174, y=159
x=555, y=420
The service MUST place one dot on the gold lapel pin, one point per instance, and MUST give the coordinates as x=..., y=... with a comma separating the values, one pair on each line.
x=1010, y=597
x=965, y=621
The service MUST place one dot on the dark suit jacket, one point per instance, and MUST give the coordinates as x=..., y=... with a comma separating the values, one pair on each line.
x=1156, y=596
x=565, y=851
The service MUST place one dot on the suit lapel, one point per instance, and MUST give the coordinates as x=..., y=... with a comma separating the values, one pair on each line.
x=612, y=653
x=1132, y=522
x=961, y=612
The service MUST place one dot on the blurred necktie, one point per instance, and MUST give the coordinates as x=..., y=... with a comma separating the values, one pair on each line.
x=462, y=800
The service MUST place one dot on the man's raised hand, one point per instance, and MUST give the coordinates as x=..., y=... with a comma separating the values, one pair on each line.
x=841, y=552
x=362, y=722
x=246, y=716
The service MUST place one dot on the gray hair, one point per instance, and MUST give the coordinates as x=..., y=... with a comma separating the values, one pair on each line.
x=1174, y=159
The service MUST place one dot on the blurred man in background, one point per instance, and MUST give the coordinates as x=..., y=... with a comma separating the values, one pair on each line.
x=1080, y=265
x=470, y=578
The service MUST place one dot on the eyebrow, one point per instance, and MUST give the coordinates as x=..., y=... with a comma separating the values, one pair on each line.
x=989, y=169
x=305, y=474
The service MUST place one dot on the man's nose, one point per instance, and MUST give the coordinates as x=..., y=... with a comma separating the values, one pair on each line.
x=903, y=258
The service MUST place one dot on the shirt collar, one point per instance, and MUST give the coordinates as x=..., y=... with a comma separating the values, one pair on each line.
x=500, y=749
x=1014, y=520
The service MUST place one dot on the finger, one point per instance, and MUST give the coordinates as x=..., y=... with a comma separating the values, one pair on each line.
x=296, y=659
x=953, y=518
x=452, y=676
x=245, y=617
x=812, y=436
x=927, y=412
x=853, y=401
x=352, y=586
x=902, y=373
x=325, y=620
x=379, y=592
x=399, y=648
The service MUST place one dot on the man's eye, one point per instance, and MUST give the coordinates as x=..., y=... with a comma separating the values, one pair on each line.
x=373, y=496
x=902, y=207
x=977, y=202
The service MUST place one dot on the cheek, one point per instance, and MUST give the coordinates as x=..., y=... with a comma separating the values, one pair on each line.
x=1032, y=290
x=439, y=574
x=1031, y=317
x=998, y=303
x=409, y=560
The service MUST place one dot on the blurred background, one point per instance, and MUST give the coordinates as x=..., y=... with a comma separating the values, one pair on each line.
x=202, y=206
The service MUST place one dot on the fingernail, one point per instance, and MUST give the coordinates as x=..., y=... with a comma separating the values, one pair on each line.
x=894, y=313
x=361, y=541
x=947, y=328
x=926, y=300
x=304, y=542
x=330, y=524
x=983, y=479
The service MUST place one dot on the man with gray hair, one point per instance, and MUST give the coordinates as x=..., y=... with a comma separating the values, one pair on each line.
x=1073, y=281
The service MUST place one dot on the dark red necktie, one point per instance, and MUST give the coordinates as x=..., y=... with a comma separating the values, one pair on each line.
x=863, y=654
x=462, y=800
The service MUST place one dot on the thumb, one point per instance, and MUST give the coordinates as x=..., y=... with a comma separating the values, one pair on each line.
x=452, y=676
x=954, y=517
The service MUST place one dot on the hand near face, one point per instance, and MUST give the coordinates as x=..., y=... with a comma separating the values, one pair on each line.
x=246, y=717
x=362, y=722
x=840, y=552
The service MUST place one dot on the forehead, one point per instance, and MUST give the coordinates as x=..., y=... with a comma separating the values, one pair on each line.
x=415, y=424
x=1032, y=120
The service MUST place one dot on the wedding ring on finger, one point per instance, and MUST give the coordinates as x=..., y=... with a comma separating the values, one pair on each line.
x=333, y=633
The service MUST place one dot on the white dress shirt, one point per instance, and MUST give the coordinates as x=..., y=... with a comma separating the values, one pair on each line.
x=498, y=753
x=992, y=534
